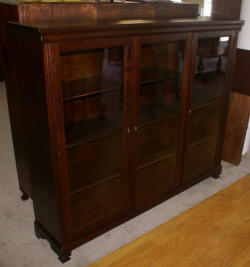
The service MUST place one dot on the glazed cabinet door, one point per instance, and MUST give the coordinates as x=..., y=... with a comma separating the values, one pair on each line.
x=95, y=95
x=207, y=104
x=159, y=105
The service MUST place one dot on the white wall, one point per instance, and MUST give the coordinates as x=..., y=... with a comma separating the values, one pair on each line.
x=247, y=142
x=244, y=37
x=244, y=43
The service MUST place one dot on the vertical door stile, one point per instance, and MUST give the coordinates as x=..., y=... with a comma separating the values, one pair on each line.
x=127, y=123
x=186, y=89
x=56, y=124
x=136, y=55
x=192, y=64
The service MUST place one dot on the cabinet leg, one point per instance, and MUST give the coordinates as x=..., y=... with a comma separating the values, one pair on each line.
x=217, y=174
x=24, y=195
x=63, y=255
x=64, y=258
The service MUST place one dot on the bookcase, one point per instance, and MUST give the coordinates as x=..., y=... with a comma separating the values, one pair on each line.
x=94, y=120
x=22, y=11
x=117, y=116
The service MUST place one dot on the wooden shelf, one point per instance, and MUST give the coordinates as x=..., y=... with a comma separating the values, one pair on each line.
x=153, y=74
x=207, y=102
x=152, y=151
x=213, y=51
x=90, y=130
x=89, y=86
x=100, y=178
x=209, y=87
x=95, y=158
x=151, y=113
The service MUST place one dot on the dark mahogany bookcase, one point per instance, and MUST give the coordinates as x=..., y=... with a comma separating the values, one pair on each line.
x=117, y=116
x=26, y=11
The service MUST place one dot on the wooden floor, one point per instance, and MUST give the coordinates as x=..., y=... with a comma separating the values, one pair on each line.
x=214, y=233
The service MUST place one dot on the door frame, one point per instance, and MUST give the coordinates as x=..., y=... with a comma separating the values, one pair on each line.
x=216, y=166
x=137, y=44
x=61, y=151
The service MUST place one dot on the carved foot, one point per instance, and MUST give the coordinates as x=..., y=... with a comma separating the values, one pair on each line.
x=64, y=258
x=24, y=196
x=63, y=255
x=217, y=174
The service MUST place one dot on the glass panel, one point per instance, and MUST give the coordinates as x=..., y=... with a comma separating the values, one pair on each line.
x=93, y=117
x=210, y=74
x=92, y=89
x=149, y=185
x=96, y=206
x=200, y=157
x=91, y=72
x=159, y=113
x=158, y=139
x=160, y=81
x=211, y=62
x=204, y=122
x=94, y=161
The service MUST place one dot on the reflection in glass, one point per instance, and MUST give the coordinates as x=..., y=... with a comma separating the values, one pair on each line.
x=159, y=118
x=211, y=62
x=210, y=74
x=205, y=6
x=93, y=117
x=160, y=81
x=92, y=90
x=159, y=99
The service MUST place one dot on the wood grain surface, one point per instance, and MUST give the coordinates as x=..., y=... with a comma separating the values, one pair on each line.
x=226, y=9
x=239, y=109
x=237, y=122
x=214, y=233
x=241, y=77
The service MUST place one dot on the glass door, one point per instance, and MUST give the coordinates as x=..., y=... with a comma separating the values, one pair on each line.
x=207, y=104
x=159, y=102
x=93, y=92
